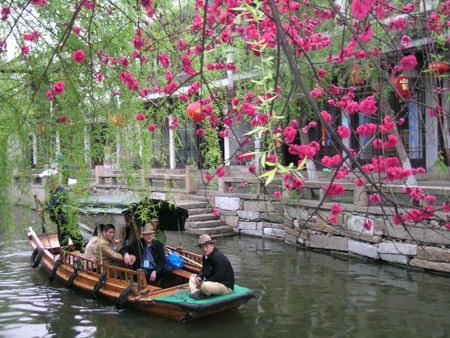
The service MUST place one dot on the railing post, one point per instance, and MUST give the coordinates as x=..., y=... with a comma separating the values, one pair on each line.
x=360, y=196
x=190, y=181
x=99, y=171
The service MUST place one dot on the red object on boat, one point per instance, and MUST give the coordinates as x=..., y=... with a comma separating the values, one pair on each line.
x=439, y=67
x=194, y=110
x=402, y=85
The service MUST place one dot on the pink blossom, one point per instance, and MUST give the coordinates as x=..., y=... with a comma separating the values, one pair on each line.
x=344, y=132
x=321, y=73
x=359, y=182
x=277, y=194
x=367, y=225
x=62, y=119
x=334, y=189
x=375, y=198
x=114, y=61
x=333, y=219
x=183, y=97
x=77, y=30
x=361, y=8
x=200, y=132
x=230, y=189
x=367, y=106
x=100, y=77
x=152, y=127
x=397, y=219
x=124, y=61
x=446, y=206
x=408, y=62
x=336, y=209
x=220, y=172
x=297, y=183
x=208, y=177
x=405, y=41
x=165, y=62
x=79, y=56
x=140, y=117
x=326, y=116
x=58, y=87
x=252, y=169
x=25, y=49
x=215, y=211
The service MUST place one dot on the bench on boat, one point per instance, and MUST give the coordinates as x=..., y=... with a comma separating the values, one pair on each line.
x=123, y=274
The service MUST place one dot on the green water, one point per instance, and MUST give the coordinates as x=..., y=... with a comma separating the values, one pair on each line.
x=299, y=293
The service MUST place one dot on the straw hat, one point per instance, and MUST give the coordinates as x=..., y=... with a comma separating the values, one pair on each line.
x=205, y=239
x=148, y=229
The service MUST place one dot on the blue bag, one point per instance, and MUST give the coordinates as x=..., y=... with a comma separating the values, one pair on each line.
x=174, y=260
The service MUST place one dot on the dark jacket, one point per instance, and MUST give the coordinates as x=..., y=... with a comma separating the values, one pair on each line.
x=217, y=268
x=137, y=248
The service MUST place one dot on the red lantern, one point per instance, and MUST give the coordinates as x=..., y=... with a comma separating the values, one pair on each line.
x=358, y=78
x=402, y=85
x=42, y=129
x=439, y=67
x=194, y=110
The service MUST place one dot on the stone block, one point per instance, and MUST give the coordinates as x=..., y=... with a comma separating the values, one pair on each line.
x=248, y=225
x=251, y=232
x=273, y=216
x=323, y=227
x=363, y=249
x=227, y=203
x=328, y=242
x=436, y=236
x=249, y=215
x=355, y=223
x=402, y=259
x=430, y=253
x=257, y=206
x=360, y=196
x=397, y=249
x=443, y=267
x=227, y=212
x=232, y=220
x=273, y=232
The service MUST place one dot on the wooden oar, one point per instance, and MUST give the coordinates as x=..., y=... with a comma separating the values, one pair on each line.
x=191, y=261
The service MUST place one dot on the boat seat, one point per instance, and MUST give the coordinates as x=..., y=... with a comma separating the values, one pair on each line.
x=182, y=273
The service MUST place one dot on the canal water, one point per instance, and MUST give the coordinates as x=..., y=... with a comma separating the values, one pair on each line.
x=299, y=293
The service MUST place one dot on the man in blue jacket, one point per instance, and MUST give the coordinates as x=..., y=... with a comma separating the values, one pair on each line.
x=217, y=275
x=148, y=254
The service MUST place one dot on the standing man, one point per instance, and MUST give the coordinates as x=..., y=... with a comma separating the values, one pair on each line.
x=148, y=254
x=216, y=277
x=59, y=209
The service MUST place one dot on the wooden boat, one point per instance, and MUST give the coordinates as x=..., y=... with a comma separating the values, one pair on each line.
x=129, y=287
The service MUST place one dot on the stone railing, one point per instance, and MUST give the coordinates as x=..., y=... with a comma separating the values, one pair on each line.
x=161, y=180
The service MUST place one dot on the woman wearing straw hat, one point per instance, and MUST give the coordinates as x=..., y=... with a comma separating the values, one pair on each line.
x=216, y=277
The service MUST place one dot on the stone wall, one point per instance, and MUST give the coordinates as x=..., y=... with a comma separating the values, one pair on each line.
x=425, y=246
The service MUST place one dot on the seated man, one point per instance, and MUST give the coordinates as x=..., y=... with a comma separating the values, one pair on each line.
x=148, y=254
x=217, y=275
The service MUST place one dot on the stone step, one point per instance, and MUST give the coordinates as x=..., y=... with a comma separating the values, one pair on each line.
x=199, y=211
x=204, y=224
x=202, y=217
x=224, y=230
x=198, y=198
x=188, y=204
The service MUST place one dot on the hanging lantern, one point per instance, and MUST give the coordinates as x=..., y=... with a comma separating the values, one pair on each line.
x=402, y=85
x=117, y=120
x=194, y=111
x=42, y=129
x=358, y=78
x=439, y=67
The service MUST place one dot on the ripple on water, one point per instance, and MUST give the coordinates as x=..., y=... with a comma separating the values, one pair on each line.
x=25, y=330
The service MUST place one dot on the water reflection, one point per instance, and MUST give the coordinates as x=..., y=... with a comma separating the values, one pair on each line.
x=298, y=293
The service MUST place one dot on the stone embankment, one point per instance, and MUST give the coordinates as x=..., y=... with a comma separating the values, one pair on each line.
x=421, y=246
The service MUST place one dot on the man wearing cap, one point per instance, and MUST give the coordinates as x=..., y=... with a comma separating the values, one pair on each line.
x=216, y=277
x=148, y=254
